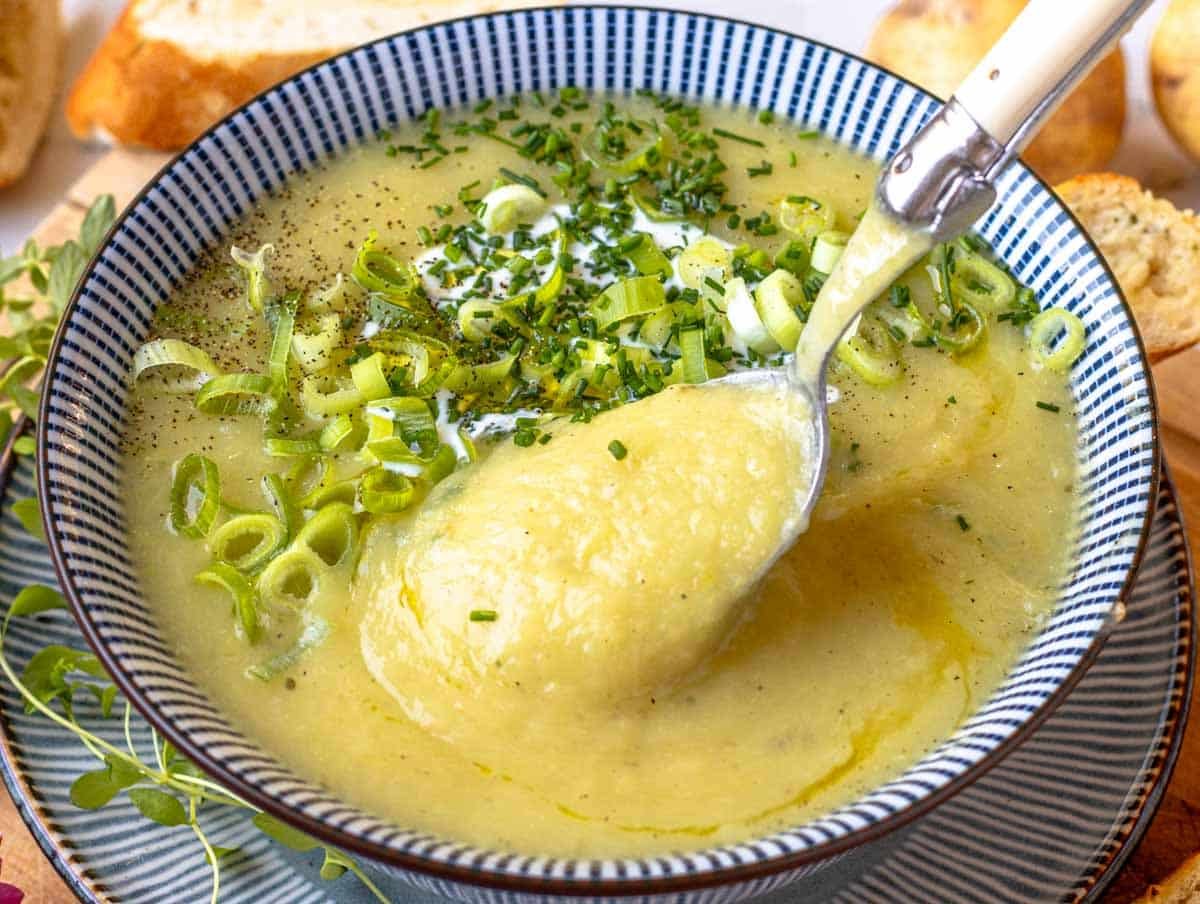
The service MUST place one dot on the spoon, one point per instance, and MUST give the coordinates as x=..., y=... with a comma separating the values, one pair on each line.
x=940, y=182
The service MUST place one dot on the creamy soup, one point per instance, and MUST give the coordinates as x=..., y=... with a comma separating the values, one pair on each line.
x=495, y=560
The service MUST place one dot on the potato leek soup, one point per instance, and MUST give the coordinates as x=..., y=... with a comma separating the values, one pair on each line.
x=425, y=491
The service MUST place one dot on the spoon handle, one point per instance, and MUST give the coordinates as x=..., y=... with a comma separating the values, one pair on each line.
x=1046, y=51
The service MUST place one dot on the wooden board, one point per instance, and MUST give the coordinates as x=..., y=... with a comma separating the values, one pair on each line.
x=1172, y=837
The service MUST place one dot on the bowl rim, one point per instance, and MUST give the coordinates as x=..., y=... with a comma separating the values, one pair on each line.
x=467, y=875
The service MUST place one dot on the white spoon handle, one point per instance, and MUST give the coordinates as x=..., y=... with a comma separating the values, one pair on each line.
x=1047, y=51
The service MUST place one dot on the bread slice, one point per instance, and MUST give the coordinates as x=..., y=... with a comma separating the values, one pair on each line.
x=1154, y=251
x=170, y=68
x=31, y=48
x=1181, y=887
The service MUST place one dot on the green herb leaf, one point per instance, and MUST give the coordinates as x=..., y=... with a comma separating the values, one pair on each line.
x=97, y=222
x=335, y=865
x=30, y=516
x=121, y=773
x=93, y=790
x=159, y=806
x=285, y=834
x=34, y=599
x=220, y=852
x=64, y=274
x=25, y=445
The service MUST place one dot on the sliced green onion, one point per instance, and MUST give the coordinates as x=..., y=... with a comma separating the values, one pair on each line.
x=183, y=367
x=504, y=208
x=316, y=632
x=394, y=452
x=623, y=148
x=827, y=250
x=314, y=351
x=337, y=434
x=553, y=286
x=691, y=344
x=281, y=343
x=255, y=266
x=476, y=319
x=645, y=255
x=325, y=396
x=628, y=298
x=330, y=298
x=382, y=491
x=247, y=542
x=806, y=217
x=331, y=533
x=195, y=496
x=1048, y=326
x=793, y=257
x=280, y=499
x=776, y=298
x=699, y=259
x=327, y=488
x=236, y=394
x=656, y=329
x=467, y=379
x=871, y=353
x=245, y=603
x=965, y=330
x=982, y=283
x=408, y=416
x=369, y=378
x=743, y=317
x=291, y=447
x=654, y=213
x=414, y=350
x=292, y=578
x=377, y=271
x=906, y=322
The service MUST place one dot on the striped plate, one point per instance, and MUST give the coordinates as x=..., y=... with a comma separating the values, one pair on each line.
x=202, y=193
x=1050, y=823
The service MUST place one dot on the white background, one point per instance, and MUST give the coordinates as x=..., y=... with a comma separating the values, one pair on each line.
x=1147, y=152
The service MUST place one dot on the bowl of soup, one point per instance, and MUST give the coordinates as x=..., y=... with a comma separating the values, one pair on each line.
x=380, y=470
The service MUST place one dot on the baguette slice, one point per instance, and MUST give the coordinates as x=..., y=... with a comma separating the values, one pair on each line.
x=1181, y=887
x=1153, y=249
x=171, y=68
x=31, y=46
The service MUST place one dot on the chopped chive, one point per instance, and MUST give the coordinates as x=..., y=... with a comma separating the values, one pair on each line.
x=714, y=285
x=963, y=525
x=791, y=158
x=483, y=615
x=950, y=400
x=766, y=117
x=617, y=449
x=527, y=181
x=725, y=133
x=811, y=133
x=424, y=235
x=763, y=169
x=1049, y=406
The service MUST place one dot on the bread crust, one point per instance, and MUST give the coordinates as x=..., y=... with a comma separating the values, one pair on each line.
x=153, y=94
x=937, y=42
x=31, y=46
x=1181, y=887
x=1153, y=249
x=1175, y=72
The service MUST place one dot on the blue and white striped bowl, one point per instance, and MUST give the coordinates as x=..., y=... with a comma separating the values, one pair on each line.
x=197, y=198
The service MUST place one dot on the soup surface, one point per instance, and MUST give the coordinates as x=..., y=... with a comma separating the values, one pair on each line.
x=512, y=652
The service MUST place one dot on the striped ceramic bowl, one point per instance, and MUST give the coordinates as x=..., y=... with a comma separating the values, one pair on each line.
x=198, y=197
